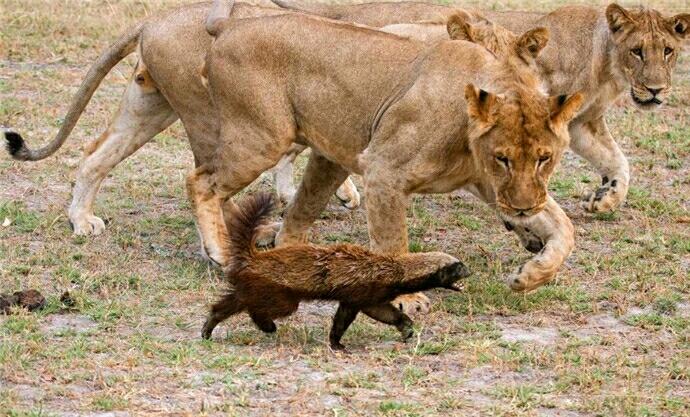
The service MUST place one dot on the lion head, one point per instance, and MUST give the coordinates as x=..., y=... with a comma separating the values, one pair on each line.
x=517, y=138
x=518, y=52
x=646, y=49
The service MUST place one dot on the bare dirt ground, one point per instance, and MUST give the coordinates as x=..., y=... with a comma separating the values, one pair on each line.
x=611, y=337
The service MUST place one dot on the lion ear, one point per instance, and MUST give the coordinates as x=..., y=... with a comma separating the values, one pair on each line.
x=531, y=43
x=458, y=28
x=618, y=18
x=480, y=105
x=563, y=108
x=679, y=24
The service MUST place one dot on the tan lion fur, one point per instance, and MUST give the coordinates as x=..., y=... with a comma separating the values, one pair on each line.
x=167, y=84
x=591, y=50
x=415, y=124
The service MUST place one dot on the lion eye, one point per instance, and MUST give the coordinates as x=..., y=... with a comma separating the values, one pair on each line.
x=637, y=52
x=668, y=51
x=503, y=160
x=543, y=159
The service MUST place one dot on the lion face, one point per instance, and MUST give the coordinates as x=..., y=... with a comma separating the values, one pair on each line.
x=517, y=142
x=646, y=48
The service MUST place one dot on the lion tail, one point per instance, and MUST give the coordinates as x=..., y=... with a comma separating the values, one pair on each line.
x=329, y=11
x=124, y=46
x=218, y=15
x=242, y=221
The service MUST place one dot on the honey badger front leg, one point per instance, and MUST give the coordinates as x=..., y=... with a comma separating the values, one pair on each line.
x=387, y=313
x=384, y=313
x=553, y=227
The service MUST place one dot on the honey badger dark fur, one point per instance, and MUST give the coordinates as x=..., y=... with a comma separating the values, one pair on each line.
x=271, y=284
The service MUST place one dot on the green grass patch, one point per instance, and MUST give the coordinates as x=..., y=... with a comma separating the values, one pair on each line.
x=23, y=220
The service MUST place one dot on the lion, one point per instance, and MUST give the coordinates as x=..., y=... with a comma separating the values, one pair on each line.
x=160, y=92
x=166, y=85
x=602, y=52
x=153, y=101
x=424, y=120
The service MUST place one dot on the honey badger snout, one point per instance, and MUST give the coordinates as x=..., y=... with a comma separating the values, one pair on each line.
x=450, y=274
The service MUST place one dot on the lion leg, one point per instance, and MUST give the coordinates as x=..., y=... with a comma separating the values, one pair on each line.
x=143, y=113
x=387, y=313
x=208, y=209
x=529, y=240
x=594, y=142
x=387, y=222
x=247, y=150
x=284, y=180
x=207, y=201
x=348, y=195
x=283, y=175
x=553, y=227
x=321, y=178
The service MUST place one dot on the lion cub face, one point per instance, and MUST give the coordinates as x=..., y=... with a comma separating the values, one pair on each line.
x=647, y=47
x=516, y=142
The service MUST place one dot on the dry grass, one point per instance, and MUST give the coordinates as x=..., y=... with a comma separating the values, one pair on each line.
x=610, y=337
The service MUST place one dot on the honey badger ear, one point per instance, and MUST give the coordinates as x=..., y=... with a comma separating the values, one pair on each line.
x=458, y=27
x=679, y=25
x=531, y=43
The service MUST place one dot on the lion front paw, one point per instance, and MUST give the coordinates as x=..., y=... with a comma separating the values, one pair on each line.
x=348, y=195
x=530, y=240
x=528, y=278
x=606, y=198
x=411, y=304
x=87, y=224
x=286, y=195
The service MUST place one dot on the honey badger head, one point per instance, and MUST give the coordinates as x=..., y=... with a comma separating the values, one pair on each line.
x=437, y=269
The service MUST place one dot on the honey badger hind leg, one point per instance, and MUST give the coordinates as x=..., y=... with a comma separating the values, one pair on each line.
x=387, y=313
x=263, y=322
x=227, y=306
x=344, y=316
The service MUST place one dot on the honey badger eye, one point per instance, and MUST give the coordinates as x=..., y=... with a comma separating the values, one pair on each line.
x=503, y=160
x=668, y=51
x=637, y=52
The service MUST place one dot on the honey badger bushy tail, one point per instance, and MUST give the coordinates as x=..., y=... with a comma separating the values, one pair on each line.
x=242, y=220
x=124, y=46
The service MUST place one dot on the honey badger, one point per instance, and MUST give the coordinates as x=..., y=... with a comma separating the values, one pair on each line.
x=270, y=284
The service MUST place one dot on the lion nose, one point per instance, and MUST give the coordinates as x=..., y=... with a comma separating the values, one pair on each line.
x=654, y=91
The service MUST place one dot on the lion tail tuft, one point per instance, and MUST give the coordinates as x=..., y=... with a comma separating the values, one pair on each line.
x=16, y=146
